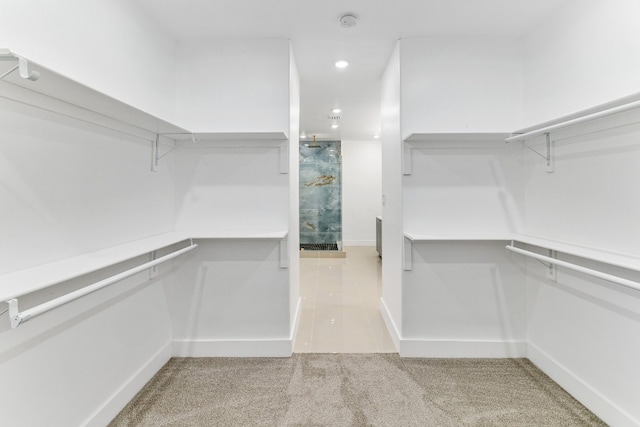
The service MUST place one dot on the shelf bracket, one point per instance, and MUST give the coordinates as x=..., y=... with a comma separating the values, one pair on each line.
x=155, y=147
x=284, y=252
x=153, y=271
x=154, y=153
x=548, y=157
x=407, y=247
x=284, y=157
x=406, y=158
x=552, y=272
x=14, y=313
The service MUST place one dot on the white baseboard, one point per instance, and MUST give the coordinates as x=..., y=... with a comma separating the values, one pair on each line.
x=462, y=349
x=294, y=325
x=411, y=347
x=358, y=243
x=240, y=347
x=391, y=325
x=233, y=348
x=124, y=394
x=583, y=392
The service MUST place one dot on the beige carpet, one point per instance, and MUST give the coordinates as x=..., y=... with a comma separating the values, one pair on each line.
x=352, y=390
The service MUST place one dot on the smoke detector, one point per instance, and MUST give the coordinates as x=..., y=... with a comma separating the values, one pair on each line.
x=348, y=21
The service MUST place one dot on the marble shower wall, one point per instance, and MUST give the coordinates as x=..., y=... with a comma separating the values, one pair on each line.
x=321, y=192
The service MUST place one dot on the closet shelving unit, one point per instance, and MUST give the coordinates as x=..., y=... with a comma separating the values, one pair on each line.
x=465, y=142
x=615, y=114
x=50, y=95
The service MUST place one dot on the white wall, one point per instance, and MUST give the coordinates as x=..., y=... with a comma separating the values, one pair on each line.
x=391, y=300
x=361, y=191
x=63, y=192
x=457, y=189
x=233, y=85
x=585, y=54
x=581, y=329
x=465, y=84
x=231, y=299
x=230, y=190
x=111, y=46
x=294, y=197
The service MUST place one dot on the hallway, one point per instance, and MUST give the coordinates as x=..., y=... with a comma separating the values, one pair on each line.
x=341, y=304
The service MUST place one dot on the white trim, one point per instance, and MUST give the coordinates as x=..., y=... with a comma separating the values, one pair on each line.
x=391, y=325
x=462, y=348
x=359, y=243
x=296, y=322
x=277, y=347
x=411, y=347
x=583, y=392
x=123, y=395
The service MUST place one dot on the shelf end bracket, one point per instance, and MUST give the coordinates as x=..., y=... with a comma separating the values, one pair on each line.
x=14, y=313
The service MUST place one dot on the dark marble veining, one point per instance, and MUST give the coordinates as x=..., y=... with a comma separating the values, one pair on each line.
x=320, y=192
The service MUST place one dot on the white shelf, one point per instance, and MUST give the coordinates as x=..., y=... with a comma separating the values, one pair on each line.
x=56, y=97
x=457, y=137
x=64, y=97
x=414, y=237
x=272, y=138
x=451, y=141
x=582, y=113
x=280, y=235
x=231, y=235
x=612, y=258
x=29, y=280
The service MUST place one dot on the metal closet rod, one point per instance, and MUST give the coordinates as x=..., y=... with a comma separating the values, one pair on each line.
x=18, y=317
x=605, y=276
x=573, y=122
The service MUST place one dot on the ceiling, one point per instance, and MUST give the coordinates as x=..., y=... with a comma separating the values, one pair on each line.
x=319, y=40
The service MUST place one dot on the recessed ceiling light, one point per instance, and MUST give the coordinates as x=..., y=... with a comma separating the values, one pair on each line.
x=336, y=111
x=303, y=135
x=376, y=136
x=342, y=63
x=334, y=126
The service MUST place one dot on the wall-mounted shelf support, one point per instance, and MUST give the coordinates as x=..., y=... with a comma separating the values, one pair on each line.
x=284, y=252
x=552, y=273
x=22, y=66
x=407, y=264
x=284, y=157
x=548, y=156
x=155, y=147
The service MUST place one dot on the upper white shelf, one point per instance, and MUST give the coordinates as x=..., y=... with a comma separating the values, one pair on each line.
x=59, y=95
x=29, y=280
x=448, y=141
x=54, y=95
x=266, y=137
x=239, y=235
x=457, y=137
x=607, y=109
x=415, y=237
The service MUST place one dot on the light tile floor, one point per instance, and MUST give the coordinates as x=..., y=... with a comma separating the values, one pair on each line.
x=341, y=304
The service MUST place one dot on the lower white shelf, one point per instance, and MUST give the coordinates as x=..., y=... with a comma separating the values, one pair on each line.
x=33, y=279
x=29, y=280
x=281, y=235
x=612, y=258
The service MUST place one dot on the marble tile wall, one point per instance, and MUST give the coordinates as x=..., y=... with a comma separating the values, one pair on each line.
x=321, y=192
